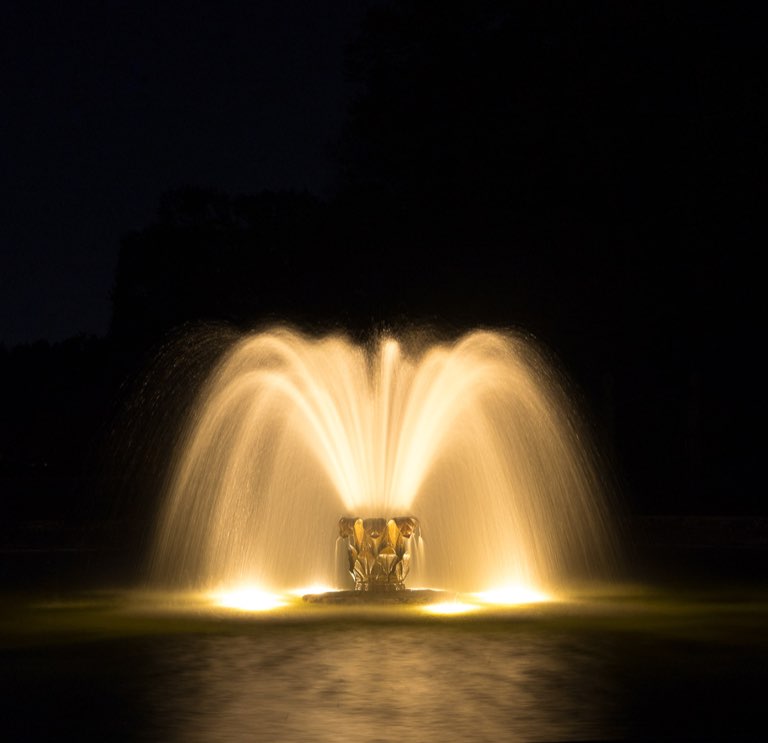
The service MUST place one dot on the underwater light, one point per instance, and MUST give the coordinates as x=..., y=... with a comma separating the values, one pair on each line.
x=448, y=608
x=248, y=599
x=510, y=595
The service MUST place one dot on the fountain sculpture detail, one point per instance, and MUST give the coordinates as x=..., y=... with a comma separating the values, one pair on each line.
x=378, y=550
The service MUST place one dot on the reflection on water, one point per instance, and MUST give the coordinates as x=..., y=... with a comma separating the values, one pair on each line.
x=379, y=683
x=634, y=669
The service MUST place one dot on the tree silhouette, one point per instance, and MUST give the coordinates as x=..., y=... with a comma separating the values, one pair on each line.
x=213, y=257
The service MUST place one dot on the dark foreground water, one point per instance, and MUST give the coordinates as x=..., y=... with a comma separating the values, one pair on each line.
x=636, y=665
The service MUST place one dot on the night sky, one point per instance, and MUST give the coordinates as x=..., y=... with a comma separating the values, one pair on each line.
x=590, y=174
x=106, y=105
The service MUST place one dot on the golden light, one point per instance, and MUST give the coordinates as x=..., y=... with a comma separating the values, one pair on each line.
x=450, y=608
x=512, y=595
x=248, y=599
x=366, y=430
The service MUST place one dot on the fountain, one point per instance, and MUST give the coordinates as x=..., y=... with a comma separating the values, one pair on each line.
x=461, y=466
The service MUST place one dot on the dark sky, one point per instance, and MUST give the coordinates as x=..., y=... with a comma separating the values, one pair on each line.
x=590, y=172
x=106, y=105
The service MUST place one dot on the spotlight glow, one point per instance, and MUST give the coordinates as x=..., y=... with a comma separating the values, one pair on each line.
x=248, y=599
x=512, y=595
x=450, y=608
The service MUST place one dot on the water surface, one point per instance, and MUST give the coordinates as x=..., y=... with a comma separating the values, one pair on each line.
x=641, y=667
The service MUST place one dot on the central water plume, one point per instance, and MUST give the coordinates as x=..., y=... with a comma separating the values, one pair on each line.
x=475, y=438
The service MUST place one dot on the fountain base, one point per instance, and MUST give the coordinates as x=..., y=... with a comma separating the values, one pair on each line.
x=362, y=598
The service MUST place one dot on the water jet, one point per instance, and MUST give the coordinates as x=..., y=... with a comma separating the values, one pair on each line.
x=476, y=437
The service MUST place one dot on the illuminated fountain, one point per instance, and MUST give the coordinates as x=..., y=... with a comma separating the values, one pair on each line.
x=472, y=445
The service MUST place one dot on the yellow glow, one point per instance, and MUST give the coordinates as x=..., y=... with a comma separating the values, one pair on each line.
x=510, y=595
x=450, y=608
x=313, y=589
x=290, y=432
x=248, y=599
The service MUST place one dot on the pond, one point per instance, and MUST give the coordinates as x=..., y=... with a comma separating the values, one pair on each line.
x=629, y=664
